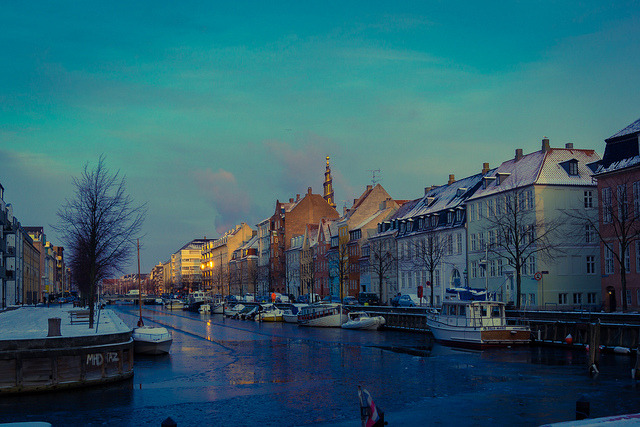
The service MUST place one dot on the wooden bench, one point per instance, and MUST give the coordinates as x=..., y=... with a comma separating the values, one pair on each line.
x=79, y=316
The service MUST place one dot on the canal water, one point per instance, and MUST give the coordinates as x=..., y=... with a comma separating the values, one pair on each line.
x=242, y=373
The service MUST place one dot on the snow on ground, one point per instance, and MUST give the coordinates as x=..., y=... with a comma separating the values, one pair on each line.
x=32, y=322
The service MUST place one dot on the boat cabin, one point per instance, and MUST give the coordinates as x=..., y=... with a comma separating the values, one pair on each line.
x=473, y=313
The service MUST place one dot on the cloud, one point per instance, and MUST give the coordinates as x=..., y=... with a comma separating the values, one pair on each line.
x=232, y=202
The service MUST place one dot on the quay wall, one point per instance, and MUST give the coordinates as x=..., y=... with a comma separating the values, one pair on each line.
x=45, y=364
x=547, y=327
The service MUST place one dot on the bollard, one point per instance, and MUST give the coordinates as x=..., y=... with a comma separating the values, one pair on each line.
x=54, y=327
x=582, y=408
x=168, y=423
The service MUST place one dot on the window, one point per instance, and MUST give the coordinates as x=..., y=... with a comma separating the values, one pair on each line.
x=436, y=278
x=404, y=280
x=591, y=264
x=481, y=240
x=562, y=298
x=628, y=297
x=474, y=245
x=627, y=258
x=606, y=205
x=636, y=200
x=530, y=199
x=459, y=215
x=608, y=261
x=450, y=244
x=449, y=217
x=573, y=168
x=531, y=261
x=591, y=298
x=500, y=267
x=410, y=281
x=472, y=212
x=474, y=269
x=459, y=243
x=589, y=233
x=532, y=299
x=480, y=211
x=492, y=268
x=577, y=298
x=588, y=199
x=490, y=210
x=623, y=206
x=492, y=238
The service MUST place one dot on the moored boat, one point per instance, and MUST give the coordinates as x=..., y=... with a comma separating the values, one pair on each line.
x=151, y=340
x=290, y=315
x=174, y=304
x=362, y=320
x=270, y=314
x=331, y=315
x=204, y=309
x=475, y=324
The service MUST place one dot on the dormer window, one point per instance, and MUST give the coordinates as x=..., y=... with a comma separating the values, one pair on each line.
x=571, y=167
x=487, y=180
x=501, y=177
x=434, y=220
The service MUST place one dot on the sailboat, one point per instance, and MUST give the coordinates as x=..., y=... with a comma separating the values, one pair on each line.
x=149, y=339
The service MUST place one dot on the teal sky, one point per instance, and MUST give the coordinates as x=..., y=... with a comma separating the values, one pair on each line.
x=213, y=111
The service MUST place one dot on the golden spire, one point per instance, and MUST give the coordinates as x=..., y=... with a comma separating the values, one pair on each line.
x=328, y=186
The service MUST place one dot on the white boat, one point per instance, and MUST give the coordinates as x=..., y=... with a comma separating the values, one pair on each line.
x=233, y=311
x=204, y=309
x=290, y=315
x=218, y=308
x=174, y=304
x=477, y=324
x=151, y=340
x=362, y=320
x=327, y=315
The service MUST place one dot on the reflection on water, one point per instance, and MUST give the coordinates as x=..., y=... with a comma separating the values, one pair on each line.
x=230, y=372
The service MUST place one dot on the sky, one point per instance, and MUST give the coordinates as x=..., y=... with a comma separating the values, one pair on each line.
x=212, y=111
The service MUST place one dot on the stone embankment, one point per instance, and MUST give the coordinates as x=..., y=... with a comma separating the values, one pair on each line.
x=45, y=349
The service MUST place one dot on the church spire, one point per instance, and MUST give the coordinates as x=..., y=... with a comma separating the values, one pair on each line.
x=328, y=186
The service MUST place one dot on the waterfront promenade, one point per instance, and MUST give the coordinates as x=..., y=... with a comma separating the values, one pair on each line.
x=231, y=372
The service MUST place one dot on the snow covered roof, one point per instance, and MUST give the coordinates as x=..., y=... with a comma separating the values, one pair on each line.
x=445, y=197
x=631, y=129
x=540, y=167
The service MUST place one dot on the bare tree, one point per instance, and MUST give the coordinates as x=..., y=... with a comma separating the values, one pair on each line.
x=428, y=249
x=516, y=232
x=381, y=262
x=308, y=271
x=616, y=224
x=99, y=226
x=339, y=267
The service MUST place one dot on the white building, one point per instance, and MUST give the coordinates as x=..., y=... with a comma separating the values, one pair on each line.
x=522, y=206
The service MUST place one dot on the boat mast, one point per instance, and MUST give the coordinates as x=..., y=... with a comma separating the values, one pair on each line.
x=140, y=322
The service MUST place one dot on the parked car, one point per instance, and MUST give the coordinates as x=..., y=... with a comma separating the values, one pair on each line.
x=350, y=300
x=331, y=298
x=408, y=301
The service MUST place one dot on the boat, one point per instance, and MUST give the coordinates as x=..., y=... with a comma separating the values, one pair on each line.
x=217, y=308
x=327, y=315
x=151, y=340
x=290, y=315
x=362, y=320
x=233, y=311
x=477, y=324
x=174, y=304
x=270, y=313
x=204, y=309
x=195, y=300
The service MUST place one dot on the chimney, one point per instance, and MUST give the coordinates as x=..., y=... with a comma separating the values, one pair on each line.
x=452, y=179
x=297, y=197
x=290, y=200
x=545, y=144
x=309, y=190
x=518, y=154
x=485, y=168
x=569, y=145
x=369, y=187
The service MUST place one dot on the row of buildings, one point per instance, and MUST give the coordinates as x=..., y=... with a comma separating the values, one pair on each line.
x=558, y=227
x=32, y=269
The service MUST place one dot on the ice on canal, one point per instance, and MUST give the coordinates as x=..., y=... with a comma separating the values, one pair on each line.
x=243, y=373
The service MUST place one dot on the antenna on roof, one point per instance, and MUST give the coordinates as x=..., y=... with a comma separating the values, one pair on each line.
x=374, y=179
